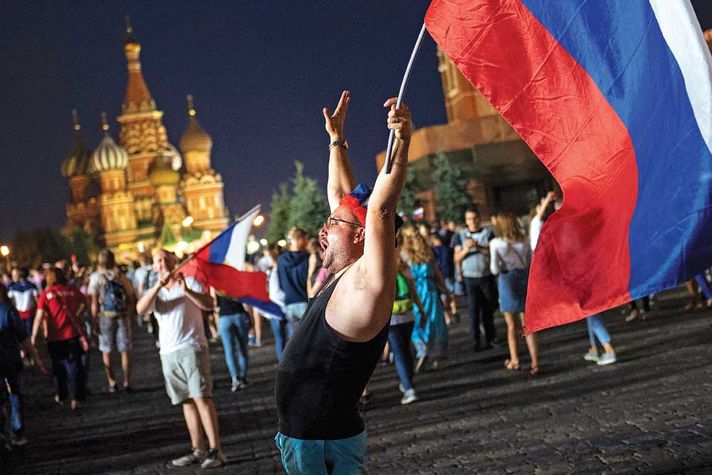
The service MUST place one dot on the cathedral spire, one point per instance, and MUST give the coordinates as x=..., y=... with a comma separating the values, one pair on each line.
x=195, y=138
x=191, y=109
x=137, y=98
x=104, y=123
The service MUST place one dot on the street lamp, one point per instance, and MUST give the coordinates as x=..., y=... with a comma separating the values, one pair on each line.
x=187, y=221
x=259, y=219
x=4, y=252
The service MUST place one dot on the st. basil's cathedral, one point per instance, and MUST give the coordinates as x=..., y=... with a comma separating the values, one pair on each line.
x=142, y=192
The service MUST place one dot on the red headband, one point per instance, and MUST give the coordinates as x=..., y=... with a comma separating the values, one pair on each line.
x=350, y=202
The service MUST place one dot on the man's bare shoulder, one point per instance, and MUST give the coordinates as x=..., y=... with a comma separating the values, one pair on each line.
x=358, y=308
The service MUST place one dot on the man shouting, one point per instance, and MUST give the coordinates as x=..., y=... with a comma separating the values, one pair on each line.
x=330, y=357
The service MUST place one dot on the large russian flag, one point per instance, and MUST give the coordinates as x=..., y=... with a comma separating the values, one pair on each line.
x=615, y=98
x=221, y=265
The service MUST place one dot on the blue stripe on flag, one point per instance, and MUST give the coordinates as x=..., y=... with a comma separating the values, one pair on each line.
x=219, y=247
x=621, y=46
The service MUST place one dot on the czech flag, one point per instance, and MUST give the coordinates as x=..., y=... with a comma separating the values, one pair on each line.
x=221, y=265
x=615, y=98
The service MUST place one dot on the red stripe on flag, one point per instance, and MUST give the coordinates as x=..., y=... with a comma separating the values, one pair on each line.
x=582, y=262
x=235, y=283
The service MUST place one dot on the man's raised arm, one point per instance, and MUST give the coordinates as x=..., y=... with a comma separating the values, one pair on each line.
x=341, y=179
x=379, y=246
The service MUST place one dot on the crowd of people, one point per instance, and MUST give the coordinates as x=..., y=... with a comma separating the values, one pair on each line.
x=335, y=291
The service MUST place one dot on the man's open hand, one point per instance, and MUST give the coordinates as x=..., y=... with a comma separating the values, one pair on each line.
x=334, y=123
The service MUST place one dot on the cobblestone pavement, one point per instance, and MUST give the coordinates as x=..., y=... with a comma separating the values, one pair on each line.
x=648, y=413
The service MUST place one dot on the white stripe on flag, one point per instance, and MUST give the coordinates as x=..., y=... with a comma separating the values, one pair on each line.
x=684, y=37
x=235, y=256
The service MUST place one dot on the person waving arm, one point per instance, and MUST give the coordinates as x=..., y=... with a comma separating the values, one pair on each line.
x=362, y=303
x=341, y=178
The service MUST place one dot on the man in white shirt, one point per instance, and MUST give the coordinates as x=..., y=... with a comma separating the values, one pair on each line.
x=177, y=302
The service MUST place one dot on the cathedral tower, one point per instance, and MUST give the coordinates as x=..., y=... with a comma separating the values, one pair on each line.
x=116, y=202
x=75, y=167
x=202, y=186
x=142, y=135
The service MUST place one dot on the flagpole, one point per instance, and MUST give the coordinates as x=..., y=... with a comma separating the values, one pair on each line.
x=190, y=257
x=389, y=148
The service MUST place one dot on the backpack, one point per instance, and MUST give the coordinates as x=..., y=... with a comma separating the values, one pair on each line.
x=402, y=303
x=113, y=301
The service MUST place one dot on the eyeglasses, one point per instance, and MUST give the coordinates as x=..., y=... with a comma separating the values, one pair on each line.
x=331, y=221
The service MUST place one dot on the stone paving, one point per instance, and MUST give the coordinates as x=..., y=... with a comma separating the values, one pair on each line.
x=648, y=413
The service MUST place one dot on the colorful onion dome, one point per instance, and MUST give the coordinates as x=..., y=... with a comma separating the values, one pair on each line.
x=108, y=155
x=77, y=160
x=194, y=138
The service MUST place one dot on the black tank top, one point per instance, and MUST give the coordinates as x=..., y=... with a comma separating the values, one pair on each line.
x=229, y=306
x=321, y=377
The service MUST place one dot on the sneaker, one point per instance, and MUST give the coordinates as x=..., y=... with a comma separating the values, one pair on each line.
x=251, y=341
x=18, y=441
x=606, y=359
x=214, y=459
x=591, y=356
x=235, y=385
x=421, y=362
x=196, y=456
x=244, y=383
x=408, y=397
x=632, y=316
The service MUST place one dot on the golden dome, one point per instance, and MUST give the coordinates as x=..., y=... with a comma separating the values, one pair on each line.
x=161, y=174
x=194, y=138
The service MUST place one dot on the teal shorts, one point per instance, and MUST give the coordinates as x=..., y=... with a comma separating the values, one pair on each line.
x=322, y=457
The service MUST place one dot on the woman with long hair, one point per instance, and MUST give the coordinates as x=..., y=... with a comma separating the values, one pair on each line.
x=510, y=255
x=430, y=338
x=60, y=305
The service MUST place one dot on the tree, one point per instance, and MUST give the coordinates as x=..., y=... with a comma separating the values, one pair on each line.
x=33, y=247
x=279, y=214
x=451, y=190
x=167, y=238
x=408, y=201
x=308, y=207
x=82, y=245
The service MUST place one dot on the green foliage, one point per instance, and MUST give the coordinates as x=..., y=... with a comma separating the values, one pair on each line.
x=82, y=245
x=33, y=247
x=168, y=238
x=308, y=207
x=304, y=206
x=408, y=201
x=451, y=190
x=279, y=214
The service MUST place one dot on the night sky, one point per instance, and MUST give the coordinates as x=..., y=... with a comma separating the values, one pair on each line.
x=260, y=72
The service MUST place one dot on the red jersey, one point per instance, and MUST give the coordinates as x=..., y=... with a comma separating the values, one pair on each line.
x=60, y=303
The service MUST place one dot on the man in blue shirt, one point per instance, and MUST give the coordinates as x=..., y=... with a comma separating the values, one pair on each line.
x=13, y=338
x=292, y=269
